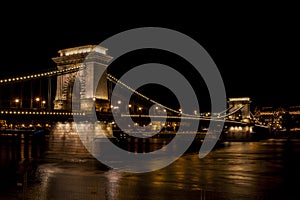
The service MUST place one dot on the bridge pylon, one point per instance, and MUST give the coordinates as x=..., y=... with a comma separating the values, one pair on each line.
x=88, y=91
x=240, y=109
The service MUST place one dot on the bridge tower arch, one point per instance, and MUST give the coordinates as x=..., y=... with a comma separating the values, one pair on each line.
x=240, y=108
x=94, y=60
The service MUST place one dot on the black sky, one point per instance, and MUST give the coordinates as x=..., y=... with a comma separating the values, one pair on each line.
x=256, y=50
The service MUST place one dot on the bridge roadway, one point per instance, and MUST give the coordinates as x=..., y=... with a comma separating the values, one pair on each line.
x=49, y=116
x=60, y=115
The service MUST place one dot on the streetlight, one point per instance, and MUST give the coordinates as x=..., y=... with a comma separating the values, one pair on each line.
x=130, y=108
x=17, y=101
x=140, y=110
x=37, y=100
x=43, y=103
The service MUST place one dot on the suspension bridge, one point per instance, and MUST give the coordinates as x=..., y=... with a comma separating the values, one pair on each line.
x=71, y=89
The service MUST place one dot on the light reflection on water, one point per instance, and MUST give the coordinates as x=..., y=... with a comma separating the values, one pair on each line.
x=238, y=170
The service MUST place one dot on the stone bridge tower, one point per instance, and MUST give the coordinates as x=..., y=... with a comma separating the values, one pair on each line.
x=244, y=112
x=94, y=60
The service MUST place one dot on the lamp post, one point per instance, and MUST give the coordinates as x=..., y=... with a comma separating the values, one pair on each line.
x=37, y=100
x=130, y=108
x=140, y=109
x=43, y=103
x=17, y=101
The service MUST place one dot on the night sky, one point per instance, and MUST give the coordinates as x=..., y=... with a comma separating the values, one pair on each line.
x=256, y=51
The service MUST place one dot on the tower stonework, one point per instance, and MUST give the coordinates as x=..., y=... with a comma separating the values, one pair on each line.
x=242, y=105
x=87, y=90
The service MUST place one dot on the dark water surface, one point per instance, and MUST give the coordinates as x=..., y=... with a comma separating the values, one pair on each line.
x=266, y=169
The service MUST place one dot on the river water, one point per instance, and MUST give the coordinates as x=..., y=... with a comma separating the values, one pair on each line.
x=267, y=169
